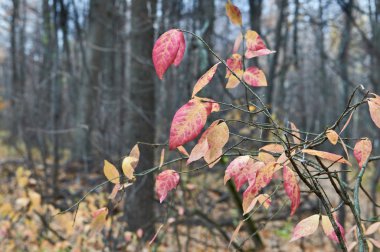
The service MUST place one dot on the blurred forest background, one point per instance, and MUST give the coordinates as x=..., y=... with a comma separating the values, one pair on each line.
x=77, y=86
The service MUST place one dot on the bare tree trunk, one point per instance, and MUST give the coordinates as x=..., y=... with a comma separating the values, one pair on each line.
x=139, y=207
x=343, y=58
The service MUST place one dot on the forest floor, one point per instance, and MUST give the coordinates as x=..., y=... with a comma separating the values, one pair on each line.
x=200, y=216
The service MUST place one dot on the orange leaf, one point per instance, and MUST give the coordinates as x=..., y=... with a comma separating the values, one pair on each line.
x=111, y=172
x=327, y=155
x=374, y=109
x=291, y=188
x=187, y=123
x=305, y=227
x=166, y=181
x=275, y=148
x=233, y=13
x=250, y=201
x=255, y=45
x=168, y=49
x=255, y=77
x=362, y=151
x=265, y=157
x=205, y=79
x=210, y=145
x=332, y=136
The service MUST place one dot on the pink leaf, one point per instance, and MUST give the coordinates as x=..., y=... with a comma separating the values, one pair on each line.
x=374, y=109
x=237, y=43
x=305, y=227
x=373, y=228
x=255, y=77
x=234, y=63
x=168, y=49
x=255, y=45
x=187, y=123
x=263, y=176
x=166, y=181
x=362, y=151
x=328, y=229
x=242, y=169
x=291, y=188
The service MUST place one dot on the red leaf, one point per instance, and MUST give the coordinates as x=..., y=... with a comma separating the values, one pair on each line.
x=233, y=13
x=305, y=227
x=205, y=79
x=168, y=49
x=166, y=181
x=241, y=170
x=291, y=188
x=362, y=151
x=255, y=77
x=187, y=123
x=255, y=45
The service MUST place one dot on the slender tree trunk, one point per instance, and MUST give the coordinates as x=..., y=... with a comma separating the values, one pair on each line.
x=343, y=58
x=141, y=113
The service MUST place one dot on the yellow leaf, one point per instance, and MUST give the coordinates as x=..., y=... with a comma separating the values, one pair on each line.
x=332, y=136
x=129, y=164
x=98, y=220
x=111, y=172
